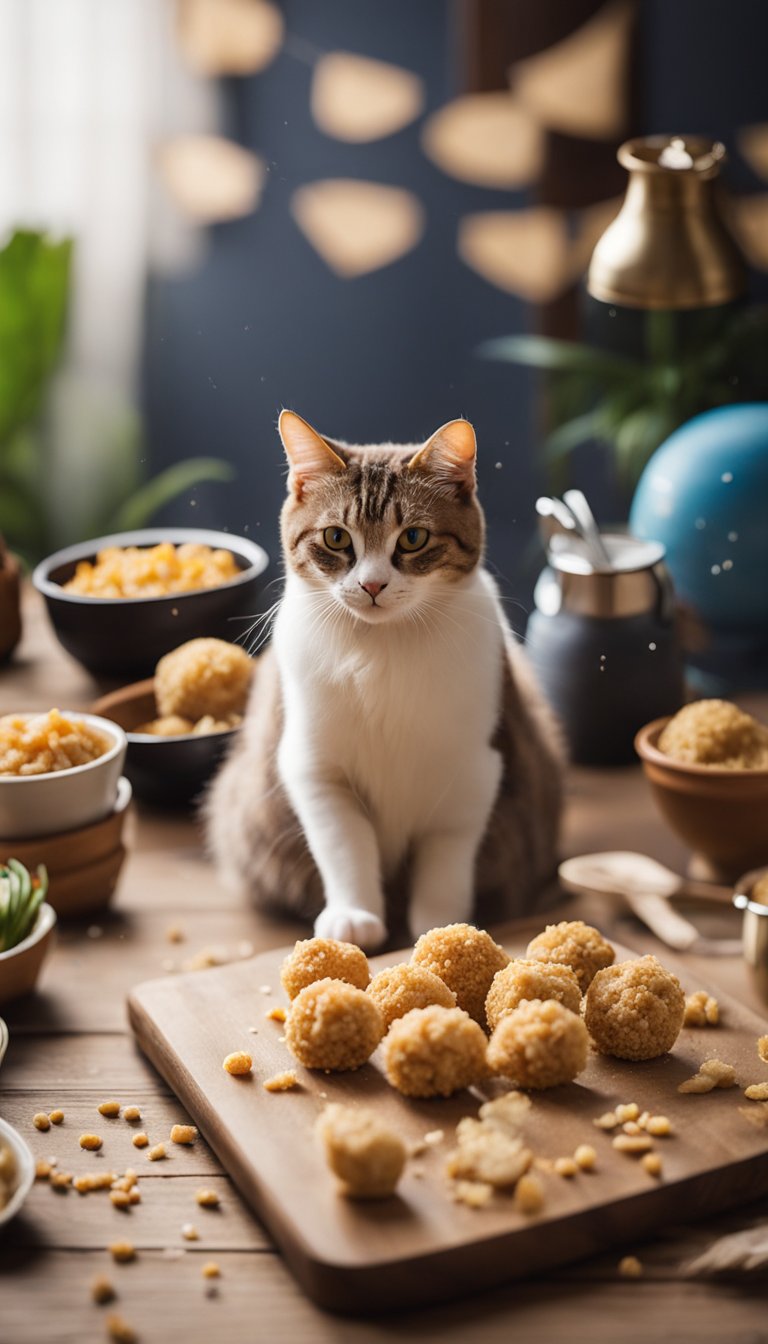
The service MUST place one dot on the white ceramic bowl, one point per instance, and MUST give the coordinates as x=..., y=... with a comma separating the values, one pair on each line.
x=34, y=805
x=25, y=1162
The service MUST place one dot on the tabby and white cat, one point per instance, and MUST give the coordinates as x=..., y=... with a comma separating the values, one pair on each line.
x=393, y=734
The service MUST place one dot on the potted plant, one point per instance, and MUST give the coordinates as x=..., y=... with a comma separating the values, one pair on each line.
x=27, y=925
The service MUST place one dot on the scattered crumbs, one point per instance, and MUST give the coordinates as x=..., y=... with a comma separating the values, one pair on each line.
x=433, y=1137
x=61, y=1181
x=281, y=1082
x=475, y=1194
x=91, y=1142
x=175, y=934
x=724, y=1075
x=585, y=1157
x=762, y=1048
x=207, y=1199
x=119, y=1330
x=121, y=1199
x=102, y=1290
x=565, y=1166
x=122, y=1251
x=189, y=1232
x=276, y=1014
x=41, y=1121
x=56, y=1116
x=210, y=1270
x=701, y=1010
x=42, y=1169
x=529, y=1195
x=265, y=989
x=608, y=1120
x=629, y=1111
x=238, y=1063
x=111, y=1109
x=184, y=1134
x=651, y=1162
x=140, y=1140
x=660, y=1126
x=698, y=1083
x=757, y=1092
x=131, y=1113
x=155, y=1154
x=630, y=1267
x=254, y=1031
x=633, y=1144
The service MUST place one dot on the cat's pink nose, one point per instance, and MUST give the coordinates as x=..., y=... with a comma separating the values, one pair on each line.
x=372, y=589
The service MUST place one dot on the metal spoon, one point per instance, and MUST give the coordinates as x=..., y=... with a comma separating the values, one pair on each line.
x=579, y=507
x=647, y=887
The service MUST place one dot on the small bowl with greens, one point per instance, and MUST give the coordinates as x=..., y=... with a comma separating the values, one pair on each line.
x=27, y=926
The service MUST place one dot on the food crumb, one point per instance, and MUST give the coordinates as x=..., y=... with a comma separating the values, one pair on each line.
x=529, y=1194
x=120, y=1331
x=723, y=1074
x=43, y=1169
x=629, y=1111
x=364, y=1154
x=210, y=1270
x=566, y=1166
x=189, y=1232
x=609, y=1120
x=41, y=1121
x=61, y=1180
x=175, y=934
x=701, y=1010
x=630, y=1267
x=140, y=1140
x=281, y=1082
x=585, y=1157
x=184, y=1134
x=207, y=1199
x=109, y=1108
x=56, y=1116
x=757, y=1092
x=265, y=989
x=698, y=1083
x=102, y=1290
x=660, y=1126
x=433, y=1137
x=156, y=1153
x=762, y=1048
x=122, y=1251
x=91, y=1142
x=276, y=1014
x=632, y=1143
x=651, y=1162
x=120, y=1198
x=475, y=1194
x=93, y=1180
x=239, y=1063
x=131, y=1113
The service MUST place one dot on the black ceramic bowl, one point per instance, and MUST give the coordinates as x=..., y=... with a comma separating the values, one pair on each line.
x=126, y=636
x=166, y=771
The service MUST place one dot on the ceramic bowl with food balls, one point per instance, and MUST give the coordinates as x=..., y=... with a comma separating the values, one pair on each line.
x=127, y=636
x=62, y=800
x=720, y=814
x=164, y=771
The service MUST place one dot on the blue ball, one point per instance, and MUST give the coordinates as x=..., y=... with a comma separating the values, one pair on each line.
x=704, y=494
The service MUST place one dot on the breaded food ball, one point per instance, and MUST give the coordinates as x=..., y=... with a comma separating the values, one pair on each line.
x=530, y=980
x=367, y=1156
x=466, y=960
x=398, y=989
x=576, y=944
x=539, y=1044
x=322, y=959
x=203, y=676
x=333, y=1025
x=635, y=1010
x=434, y=1051
x=716, y=733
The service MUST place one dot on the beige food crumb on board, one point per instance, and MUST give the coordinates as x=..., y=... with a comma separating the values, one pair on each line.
x=701, y=1010
x=140, y=1140
x=628, y=1111
x=529, y=1195
x=434, y=1136
x=210, y=1270
x=609, y=1120
x=365, y=1154
x=109, y=1108
x=120, y=1331
x=276, y=1014
x=762, y=1048
x=135, y=1195
x=281, y=1082
x=157, y=1153
x=660, y=1126
x=42, y=1169
x=102, y=1290
x=630, y=1267
x=475, y=1194
x=698, y=1083
x=93, y=1180
x=632, y=1127
x=651, y=1162
x=189, y=1232
x=632, y=1143
x=61, y=1180
x=585, y=1157
x=723, y=1074
x=122, y=1251
x=174, y=933
x=184, y=1134
x=121, y=1199
x=265, y=989
x=131, y=1113
x=239, y=1063
x=254, y=1031
x=56, y=1116
x=757, y=1092
x=207, y=1199
x=485, y=1153
x=41, y=1121
x=566, y=1166
x=91, y=1142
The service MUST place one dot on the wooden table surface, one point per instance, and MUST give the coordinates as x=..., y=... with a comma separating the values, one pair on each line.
x=70, y=1048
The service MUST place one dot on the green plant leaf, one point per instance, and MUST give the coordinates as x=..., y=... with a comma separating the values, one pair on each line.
x=572, y=433
x=167, y=486
x=540, y=352
x=34, y=288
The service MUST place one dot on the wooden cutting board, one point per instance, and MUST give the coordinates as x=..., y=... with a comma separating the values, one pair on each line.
x=419, y=1246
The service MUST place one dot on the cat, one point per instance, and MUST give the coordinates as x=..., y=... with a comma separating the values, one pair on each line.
x=394, y=734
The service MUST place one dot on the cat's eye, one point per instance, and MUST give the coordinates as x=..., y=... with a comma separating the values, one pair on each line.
x=412, y=539
x=337, y=538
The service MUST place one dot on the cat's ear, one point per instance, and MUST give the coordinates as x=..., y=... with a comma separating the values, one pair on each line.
x=449, y=456
x=307, y=451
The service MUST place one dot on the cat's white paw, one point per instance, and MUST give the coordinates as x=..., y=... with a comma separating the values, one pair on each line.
x=351, y=926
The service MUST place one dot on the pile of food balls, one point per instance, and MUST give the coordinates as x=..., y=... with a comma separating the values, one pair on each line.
x=433, y=1016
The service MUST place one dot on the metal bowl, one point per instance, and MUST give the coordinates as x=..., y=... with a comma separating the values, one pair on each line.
x=754, y=929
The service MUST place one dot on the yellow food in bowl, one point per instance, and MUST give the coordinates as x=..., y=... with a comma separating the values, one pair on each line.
x=41, y=744
x=716, y=733
x=152, y=571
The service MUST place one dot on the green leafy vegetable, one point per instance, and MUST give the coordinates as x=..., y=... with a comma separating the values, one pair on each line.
x=21, y=896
